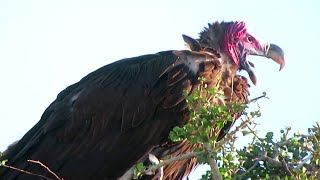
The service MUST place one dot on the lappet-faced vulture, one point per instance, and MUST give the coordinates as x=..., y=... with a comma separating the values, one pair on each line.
x=101, y=126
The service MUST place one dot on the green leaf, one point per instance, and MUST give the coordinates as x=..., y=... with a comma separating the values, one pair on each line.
x=212, y=90
x=269, y=135
x=141, y=167
x=220, y=124
x=138, y=170
x=3, y=162
x=245, y=132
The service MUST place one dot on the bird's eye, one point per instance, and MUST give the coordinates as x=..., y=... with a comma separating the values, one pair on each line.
x=250, y=39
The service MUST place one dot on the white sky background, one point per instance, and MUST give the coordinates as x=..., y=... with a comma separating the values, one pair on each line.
x=46, y=46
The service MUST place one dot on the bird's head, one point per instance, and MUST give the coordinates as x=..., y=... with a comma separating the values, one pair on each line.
x=234, y=42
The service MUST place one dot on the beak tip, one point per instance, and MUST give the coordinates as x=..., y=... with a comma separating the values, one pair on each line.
x=276, y=54
x=282, y=64
x=281, y=67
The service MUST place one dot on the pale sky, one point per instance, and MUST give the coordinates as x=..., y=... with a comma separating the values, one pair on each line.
x=46, y=46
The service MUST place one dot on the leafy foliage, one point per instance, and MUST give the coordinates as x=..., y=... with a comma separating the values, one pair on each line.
x=138, y=170
x=296, y=157
x=207, y=117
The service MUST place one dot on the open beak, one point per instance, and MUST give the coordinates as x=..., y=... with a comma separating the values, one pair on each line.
x=267, y=50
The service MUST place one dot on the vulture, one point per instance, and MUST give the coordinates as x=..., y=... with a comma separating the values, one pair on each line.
x=113, y=118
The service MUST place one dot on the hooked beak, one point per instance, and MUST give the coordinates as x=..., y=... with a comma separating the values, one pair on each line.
x=275, y=53
x=267, y=50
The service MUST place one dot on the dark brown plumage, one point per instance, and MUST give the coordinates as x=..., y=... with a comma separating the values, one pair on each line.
x=114, y=117
x=94, y=124
x=235, y=91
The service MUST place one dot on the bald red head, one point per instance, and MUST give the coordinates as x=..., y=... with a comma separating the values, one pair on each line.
x=238, y=43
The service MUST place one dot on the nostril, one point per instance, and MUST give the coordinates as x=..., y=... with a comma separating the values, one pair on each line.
x=266, y=47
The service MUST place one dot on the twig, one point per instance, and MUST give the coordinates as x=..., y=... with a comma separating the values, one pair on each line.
x=47, y=168
x=263, y=157
x=254, y=133
x=270, y=160
x=264, y=95
x=288, y=129
x=27, y=172
x=248, y=170
x=286, y=167
x=173, y=159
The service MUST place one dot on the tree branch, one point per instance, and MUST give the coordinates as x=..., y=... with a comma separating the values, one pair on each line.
x=27, y=172
x=33, y=174
x=212, y=162
x=173, y=159
x=287, y=167
x=249, y=170
x=264, y=95
x=214, y=169
x=46, y=167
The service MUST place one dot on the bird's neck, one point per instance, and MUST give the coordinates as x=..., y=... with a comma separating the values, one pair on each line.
x=228, y=67
x=213, y=36
x=228, y=70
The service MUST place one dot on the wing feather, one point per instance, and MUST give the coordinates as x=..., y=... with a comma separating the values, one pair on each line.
x=92, y=123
